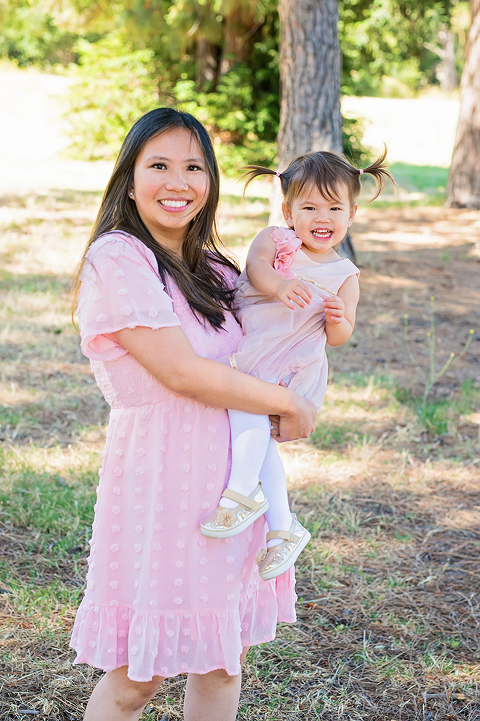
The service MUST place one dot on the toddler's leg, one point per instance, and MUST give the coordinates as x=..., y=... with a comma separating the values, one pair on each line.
x=250, y=441
x=282, y=552
x=274, y=482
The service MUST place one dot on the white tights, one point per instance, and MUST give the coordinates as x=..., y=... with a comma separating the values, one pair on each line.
x=255, y=458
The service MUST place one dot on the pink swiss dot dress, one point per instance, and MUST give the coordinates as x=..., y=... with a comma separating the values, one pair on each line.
x=161, y=598
x=284, y=344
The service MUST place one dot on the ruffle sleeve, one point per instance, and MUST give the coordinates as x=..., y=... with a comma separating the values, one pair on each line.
x=288, y=243
x=120, y=288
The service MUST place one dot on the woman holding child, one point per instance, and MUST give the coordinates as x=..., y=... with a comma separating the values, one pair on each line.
x=155, y=308
x=173, y=584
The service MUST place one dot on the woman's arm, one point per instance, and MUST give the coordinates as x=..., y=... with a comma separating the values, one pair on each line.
x=340, y=312
x=167, y=354
x=263, y=276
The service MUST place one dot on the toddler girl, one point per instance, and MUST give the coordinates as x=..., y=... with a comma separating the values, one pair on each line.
x=296, y=295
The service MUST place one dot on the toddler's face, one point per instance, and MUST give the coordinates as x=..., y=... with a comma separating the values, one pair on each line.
x=320, y=223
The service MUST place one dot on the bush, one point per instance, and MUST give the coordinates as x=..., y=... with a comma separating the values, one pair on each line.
x=116, y=85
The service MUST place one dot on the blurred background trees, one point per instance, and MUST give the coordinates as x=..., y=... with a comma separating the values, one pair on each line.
x=220, y=60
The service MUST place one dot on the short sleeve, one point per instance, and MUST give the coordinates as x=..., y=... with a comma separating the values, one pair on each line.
x=120, y=288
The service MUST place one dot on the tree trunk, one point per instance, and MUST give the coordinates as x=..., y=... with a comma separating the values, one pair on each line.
x=310, y=67
x=206, y=64
x=447, y=73
x=463, y=189
x=310, y=116
x=240, y=26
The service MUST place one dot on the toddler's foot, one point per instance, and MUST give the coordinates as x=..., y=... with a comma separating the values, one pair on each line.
x=282, y=557
x=225, y=522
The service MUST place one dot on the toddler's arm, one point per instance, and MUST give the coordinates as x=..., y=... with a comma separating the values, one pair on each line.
x=263, y=276
x=340, y=311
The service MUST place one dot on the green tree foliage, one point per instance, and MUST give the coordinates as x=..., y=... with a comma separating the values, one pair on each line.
x=394, y=46
x=116, y=84
x=215, y=58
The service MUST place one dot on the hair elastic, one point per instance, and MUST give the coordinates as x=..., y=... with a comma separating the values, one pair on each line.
x=360, y=171
x=278, y=174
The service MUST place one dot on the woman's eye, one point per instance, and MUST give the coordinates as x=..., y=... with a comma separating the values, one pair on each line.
x=159, y=166
x=194, y=167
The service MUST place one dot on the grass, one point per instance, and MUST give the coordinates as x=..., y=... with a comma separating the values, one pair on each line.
x=388, y=587
x=417, y=186
x=423, y=178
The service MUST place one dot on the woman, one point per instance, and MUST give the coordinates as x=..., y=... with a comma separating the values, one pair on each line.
x=155, y=312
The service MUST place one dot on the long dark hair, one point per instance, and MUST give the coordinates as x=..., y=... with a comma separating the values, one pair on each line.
x=325, y=170
x=197, y=276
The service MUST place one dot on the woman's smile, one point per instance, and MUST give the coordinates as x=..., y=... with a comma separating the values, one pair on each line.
x=174, y=205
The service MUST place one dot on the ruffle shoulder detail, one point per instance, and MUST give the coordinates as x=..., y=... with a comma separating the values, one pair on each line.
x=288, y=243
x=120, y=288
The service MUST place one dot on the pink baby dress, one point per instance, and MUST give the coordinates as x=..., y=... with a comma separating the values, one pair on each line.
x=284, y=344
x=161, y=598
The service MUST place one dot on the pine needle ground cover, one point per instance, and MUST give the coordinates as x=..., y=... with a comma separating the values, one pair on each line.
x=389, y=611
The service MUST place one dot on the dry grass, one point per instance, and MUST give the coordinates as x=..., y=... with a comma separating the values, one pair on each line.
x=389, y=614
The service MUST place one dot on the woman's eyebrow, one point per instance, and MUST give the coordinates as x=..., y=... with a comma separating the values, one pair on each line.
x=161, y=157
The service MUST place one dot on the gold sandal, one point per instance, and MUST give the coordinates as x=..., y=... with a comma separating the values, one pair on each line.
x=226, y=522
x=281, y=557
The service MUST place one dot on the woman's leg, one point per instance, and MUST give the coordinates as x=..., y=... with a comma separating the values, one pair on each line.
x=117, y=698
x=213, y=696
x=274, y=482
x=250, y=438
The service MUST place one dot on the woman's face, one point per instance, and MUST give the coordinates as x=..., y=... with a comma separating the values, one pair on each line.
x=170, y=186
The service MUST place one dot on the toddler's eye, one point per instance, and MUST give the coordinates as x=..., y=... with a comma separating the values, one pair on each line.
x=335, y=208
x=309, y=207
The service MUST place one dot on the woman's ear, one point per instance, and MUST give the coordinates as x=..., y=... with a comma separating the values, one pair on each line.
x=287, y=214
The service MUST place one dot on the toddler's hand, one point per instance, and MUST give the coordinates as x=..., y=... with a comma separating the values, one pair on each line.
x=334, y=309
x=293, y=291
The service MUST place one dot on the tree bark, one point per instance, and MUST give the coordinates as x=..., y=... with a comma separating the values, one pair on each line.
x=463, y=190
x=310, y=64
x=448, y=72
x=310, y=67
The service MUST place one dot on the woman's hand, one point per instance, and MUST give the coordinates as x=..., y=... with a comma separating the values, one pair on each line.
x=293, y=291
x=297, y=423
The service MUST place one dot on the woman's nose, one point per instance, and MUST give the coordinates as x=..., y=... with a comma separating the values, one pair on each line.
x=176, y=181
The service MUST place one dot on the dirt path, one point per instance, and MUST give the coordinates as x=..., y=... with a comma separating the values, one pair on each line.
x=33, y=135
x=418, y=131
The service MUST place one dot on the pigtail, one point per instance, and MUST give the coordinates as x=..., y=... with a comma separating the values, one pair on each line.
x=255, y=171
x=380, y=173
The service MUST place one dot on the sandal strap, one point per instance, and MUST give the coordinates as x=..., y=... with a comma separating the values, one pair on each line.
x=241, y=499
x=286, y=535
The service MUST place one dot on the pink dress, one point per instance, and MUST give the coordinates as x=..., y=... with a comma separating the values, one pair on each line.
x=284, y=344
x=161, y=598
